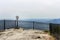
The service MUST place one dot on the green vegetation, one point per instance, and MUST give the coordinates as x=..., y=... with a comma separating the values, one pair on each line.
x=16, y=27
x=46, y=31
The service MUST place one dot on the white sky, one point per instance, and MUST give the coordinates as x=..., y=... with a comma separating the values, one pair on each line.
x=29, y=9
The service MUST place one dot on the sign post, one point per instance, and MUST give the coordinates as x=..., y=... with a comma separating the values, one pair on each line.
x=17, y=17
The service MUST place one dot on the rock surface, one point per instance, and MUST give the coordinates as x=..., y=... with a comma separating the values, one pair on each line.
x=20, y=34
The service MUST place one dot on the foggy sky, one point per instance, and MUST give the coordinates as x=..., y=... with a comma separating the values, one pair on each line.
x=29, y=9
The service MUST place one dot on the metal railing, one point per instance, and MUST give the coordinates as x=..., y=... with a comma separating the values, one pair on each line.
x=6, y=24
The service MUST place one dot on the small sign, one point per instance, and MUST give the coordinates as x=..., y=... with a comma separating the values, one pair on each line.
x=17, y=17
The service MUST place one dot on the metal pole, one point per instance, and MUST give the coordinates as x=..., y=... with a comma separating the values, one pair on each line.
x=33, y=25
x=17, y=23
x=50, y=28
x=17, y=17
x=4, y=24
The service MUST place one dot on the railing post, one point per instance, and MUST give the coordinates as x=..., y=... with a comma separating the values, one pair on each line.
x=4, y=24
x=15, y=23
x=33, y=25
x=51, y=28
